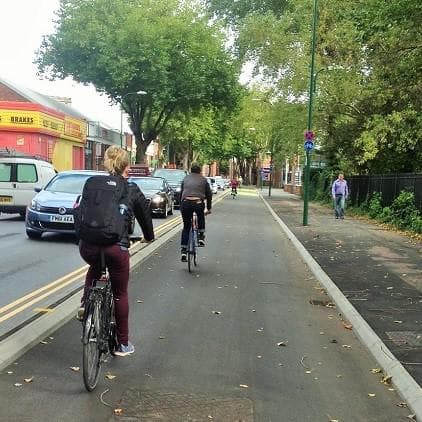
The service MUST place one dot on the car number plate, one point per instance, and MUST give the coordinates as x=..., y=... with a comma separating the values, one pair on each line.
x=5, y=199
x=61, y=218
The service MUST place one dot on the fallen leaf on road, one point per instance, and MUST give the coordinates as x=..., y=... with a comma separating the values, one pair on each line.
x=339, y=376
x=387, y=379
x=398, y=322
x=401, y=404
x=347, y=326
x=371, y=395
x=376, y=370
x=51, y=338
x=17, y=384
x=308, y=372
x=10, y=372
x=390, y=288
x=110, y=376
x=28, y=380
x=333, y=341
x=411, y=417
x=282, y=343
x=43, y=342
x=140, y=301
x=118, y=411
x=259, y=356
x=346, y=346
x=216, y=312
x=75, y=368
x=253, y=310
x=260, y=330
x=161, y=337
x=244, y=386
x=321, y=333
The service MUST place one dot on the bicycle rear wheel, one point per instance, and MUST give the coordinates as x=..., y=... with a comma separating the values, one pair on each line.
x=91, y=350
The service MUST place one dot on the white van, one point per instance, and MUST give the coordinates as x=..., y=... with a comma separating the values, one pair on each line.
x=19, y=177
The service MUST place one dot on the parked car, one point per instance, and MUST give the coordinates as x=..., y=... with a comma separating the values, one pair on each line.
x=221, y=183
x=19, y=176
x=158, y=194
x=174, y=178
x=51, y=209
x=213, y=184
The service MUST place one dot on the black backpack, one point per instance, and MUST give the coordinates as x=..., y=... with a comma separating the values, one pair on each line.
x=102, y=215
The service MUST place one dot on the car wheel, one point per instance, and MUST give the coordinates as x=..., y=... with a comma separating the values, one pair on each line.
x=33, y=235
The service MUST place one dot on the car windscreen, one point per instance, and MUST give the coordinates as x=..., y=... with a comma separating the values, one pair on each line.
x=68, y=183
x=171, y=175
x=148, y=183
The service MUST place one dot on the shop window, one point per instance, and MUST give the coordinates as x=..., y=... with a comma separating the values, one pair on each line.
x=26, y=173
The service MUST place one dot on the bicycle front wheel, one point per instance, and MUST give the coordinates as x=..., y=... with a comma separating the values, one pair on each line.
x=91, y=347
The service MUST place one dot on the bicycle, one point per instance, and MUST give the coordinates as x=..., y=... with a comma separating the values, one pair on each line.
x=192, y=242
x=98, y=327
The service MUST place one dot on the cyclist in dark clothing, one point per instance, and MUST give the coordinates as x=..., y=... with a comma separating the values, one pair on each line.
x=195, y=190
x=117, y=255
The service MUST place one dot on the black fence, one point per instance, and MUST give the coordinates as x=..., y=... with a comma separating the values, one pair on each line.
x=390, y=186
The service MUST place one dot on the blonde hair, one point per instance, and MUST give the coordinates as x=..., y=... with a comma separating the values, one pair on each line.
x=116, y=160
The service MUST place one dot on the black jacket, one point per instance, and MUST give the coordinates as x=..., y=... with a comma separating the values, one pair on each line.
x=139, y=209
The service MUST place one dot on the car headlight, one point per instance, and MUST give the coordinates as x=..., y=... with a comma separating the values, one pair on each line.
x=157, y=199
x=35, y=205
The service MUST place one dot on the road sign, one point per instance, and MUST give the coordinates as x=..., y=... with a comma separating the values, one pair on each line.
x=309, y=145
x=309, y=135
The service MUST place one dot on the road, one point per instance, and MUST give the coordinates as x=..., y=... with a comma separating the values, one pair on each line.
x=236, y=340
x=39, y=269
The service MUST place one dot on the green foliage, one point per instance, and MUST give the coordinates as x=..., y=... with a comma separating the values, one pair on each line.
x=167, y=48
x=402, y=213
x=320, y=185
x=368, y=88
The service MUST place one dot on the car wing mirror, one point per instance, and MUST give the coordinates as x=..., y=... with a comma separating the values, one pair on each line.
x=38, y=189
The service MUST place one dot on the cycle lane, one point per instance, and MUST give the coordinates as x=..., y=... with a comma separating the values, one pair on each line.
x=237, y=338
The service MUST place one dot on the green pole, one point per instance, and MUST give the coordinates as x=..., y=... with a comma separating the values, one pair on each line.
x=310, y=103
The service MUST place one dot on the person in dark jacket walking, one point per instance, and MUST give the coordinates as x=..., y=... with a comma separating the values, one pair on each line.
x=195, y=190
x=117, y=255
x=340, y=193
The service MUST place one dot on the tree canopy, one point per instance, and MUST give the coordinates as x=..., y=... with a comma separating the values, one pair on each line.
x=368, y=66
x=166, y=48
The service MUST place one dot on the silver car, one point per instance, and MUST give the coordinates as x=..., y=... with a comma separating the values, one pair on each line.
x=51, y=209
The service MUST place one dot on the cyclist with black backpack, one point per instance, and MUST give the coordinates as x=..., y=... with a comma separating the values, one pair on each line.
x=103, y=220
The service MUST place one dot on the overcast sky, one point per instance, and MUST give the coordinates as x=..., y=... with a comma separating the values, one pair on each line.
x=22, y=25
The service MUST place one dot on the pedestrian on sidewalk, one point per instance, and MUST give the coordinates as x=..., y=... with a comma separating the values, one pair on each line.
x=340, y=193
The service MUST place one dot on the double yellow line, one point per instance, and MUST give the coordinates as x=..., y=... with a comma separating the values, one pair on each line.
x=10, y=310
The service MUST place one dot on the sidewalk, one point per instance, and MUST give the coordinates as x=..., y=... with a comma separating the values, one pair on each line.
x=379, y=272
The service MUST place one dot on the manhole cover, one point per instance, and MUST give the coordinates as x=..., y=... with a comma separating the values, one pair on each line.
x=405, y=338
x=171, y=407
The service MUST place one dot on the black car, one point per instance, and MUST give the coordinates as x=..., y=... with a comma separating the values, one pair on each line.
x=174, y=178
x=157, y=192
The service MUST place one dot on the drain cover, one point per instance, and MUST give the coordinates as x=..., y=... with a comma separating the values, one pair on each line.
x=405, y=338
x=170, y=407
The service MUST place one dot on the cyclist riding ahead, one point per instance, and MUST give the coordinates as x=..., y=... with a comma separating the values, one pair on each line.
x=117, y=254
x=234, y=184
x=195, y=190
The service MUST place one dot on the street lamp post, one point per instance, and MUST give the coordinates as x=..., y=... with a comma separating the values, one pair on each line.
x=140, y=92
x=310, y=104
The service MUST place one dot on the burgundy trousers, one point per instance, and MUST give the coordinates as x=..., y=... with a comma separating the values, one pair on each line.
x=117, y=261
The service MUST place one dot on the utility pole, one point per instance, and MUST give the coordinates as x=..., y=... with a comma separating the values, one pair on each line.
x=309, y=139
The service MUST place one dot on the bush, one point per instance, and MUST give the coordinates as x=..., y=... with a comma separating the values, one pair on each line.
x=404, y=210
x=374, y=207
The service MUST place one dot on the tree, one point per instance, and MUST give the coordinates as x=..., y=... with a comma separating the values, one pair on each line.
x=166, y=48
